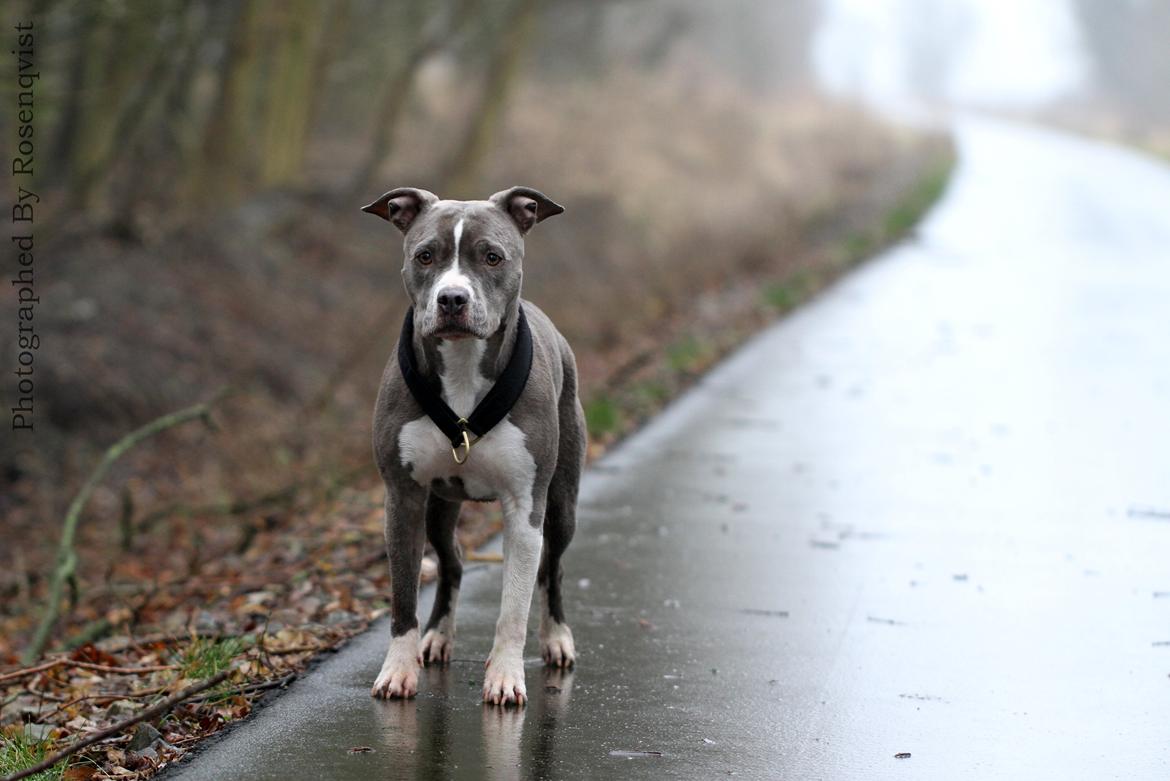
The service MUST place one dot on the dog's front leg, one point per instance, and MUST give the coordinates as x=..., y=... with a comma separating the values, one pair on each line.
x=405, y=526
x=504, y=681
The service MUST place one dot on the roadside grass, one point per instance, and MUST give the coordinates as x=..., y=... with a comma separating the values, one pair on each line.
x=602, y=415
x=900, y=220
x=18, y=751
x=204, y=658
x=791, y=291
x=696, y=345
x=895, y=225
x=688, y=354
x=927, y=190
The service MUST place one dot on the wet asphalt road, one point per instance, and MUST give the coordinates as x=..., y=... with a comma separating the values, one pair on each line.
x=927, y=513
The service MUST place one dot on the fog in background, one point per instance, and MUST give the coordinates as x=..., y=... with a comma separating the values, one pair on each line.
x=1104, y=56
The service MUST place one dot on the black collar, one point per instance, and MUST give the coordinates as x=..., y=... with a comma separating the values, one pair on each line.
x=495, y=405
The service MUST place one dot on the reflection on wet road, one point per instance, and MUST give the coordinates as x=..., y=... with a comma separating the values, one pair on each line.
x=420, y=739
x=928, y=514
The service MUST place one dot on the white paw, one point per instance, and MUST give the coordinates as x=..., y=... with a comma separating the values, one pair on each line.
x=556, y=644
x=438, y=644
x=399, y=675
x=503, y=683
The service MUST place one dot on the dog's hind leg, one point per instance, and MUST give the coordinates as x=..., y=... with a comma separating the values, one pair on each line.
x=560, y=521
x=438, y=641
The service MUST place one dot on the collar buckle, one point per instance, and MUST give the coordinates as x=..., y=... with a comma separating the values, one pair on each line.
x=465, y=445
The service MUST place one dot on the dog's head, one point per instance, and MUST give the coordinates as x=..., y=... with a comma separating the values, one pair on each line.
x=463, y=260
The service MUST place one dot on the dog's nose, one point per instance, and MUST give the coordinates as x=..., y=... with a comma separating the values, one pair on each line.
x=452, y=300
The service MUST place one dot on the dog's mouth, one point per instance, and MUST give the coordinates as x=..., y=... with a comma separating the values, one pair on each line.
x=455, y=332
x=454, y=328
x=461, y=325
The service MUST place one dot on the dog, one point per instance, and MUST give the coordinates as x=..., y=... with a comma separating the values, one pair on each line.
x=466, y=337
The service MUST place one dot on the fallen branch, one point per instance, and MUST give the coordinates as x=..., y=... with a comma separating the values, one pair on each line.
x=66, y=555
x=105, y=668
x=252, y=688
x=157, y=709
x=111, y=696
x=12, y=676
x=109, y=668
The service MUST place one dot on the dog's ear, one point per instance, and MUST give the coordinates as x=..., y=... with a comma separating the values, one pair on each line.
x=401, y=206
x=526, y=206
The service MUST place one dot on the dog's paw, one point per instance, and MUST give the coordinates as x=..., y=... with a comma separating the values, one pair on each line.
x=503, y=683
x=438, y=644
x=556, y=644
x=399, y=675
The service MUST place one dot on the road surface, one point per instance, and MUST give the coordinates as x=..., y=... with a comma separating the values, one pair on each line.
x=927, y=514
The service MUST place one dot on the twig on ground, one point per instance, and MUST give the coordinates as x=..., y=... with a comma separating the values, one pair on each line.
x=111, y=696
x=29, y=671
x=109, y=668
x=252, y=688
x=104, y=668
x=157, y=709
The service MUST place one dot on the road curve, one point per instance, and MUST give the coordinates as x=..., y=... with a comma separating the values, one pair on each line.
x=927, y=514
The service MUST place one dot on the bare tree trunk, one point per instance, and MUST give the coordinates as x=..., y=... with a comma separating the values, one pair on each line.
x=129, y=117
x=428, y=38
x=464, y=168
x=165, y=114
x=286, y=112
x=225, y=162
x=69, y=130
x=329, y=43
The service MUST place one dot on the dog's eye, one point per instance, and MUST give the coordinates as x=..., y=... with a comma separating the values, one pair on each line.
x=424, y=257
x=494, y=258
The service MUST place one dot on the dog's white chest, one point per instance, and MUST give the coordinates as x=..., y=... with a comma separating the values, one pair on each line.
x=498, y=465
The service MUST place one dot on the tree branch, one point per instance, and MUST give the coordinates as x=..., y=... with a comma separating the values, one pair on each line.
x=157, y=709
x=105, y=668
x=66, y=556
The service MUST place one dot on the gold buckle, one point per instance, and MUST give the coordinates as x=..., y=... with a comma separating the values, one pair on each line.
x=465, y=446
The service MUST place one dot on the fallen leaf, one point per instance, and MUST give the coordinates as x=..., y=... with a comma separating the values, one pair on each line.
x=624, y=753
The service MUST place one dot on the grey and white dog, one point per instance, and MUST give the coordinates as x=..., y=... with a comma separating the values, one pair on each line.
x=463, y=267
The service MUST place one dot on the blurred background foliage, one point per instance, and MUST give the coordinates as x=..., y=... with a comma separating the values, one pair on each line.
x=202, y=164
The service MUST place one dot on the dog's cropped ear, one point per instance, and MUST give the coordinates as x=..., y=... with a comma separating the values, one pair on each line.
x=526, y=206
x=401, y=206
